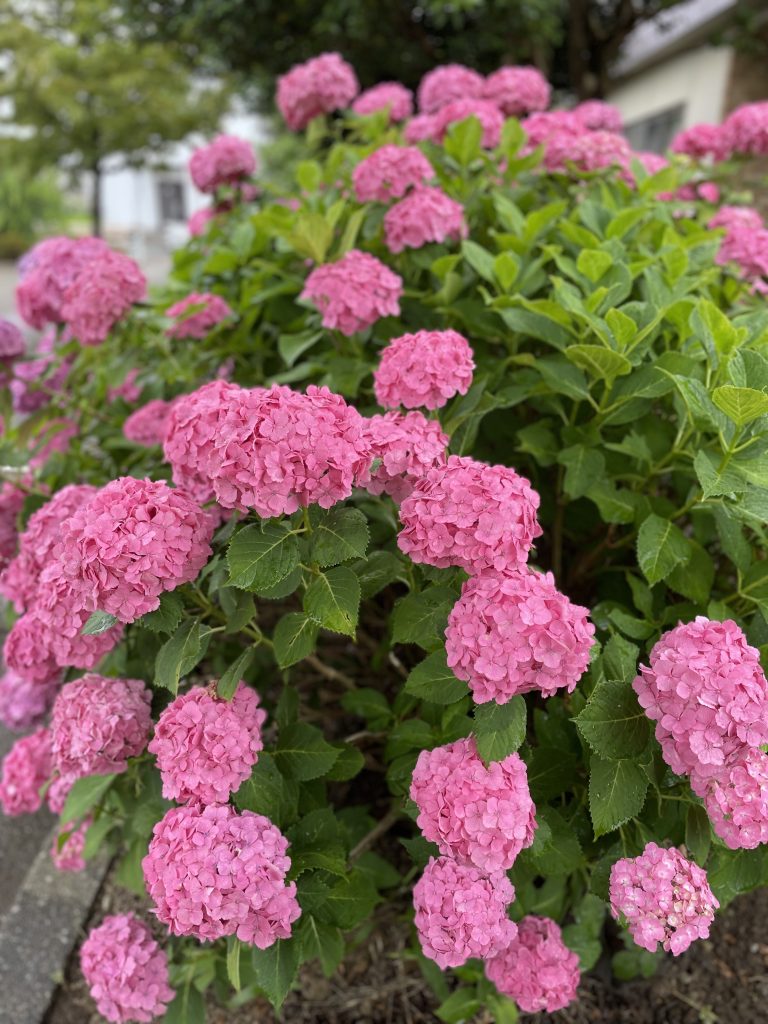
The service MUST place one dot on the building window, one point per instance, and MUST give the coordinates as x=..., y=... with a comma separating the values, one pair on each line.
x=172, y=205
x=653, y=134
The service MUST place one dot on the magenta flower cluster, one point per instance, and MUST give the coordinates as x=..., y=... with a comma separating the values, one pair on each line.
x=224, y=161
x=536, y=969
x=426, y=215
x=197, y=314
x=205, y=746
x=47, y=273
x=319, y=86
x=390, y=96
x=147, y=425
x=513, y=632
x=517, y=90
x=354, y=292
x=664, y=899
x=213, y=872
x=24, y=704
x=126, y=971
x=406, y=445
x=423, y=370
x=389, y=172
x=25, y=770
x=100, y=295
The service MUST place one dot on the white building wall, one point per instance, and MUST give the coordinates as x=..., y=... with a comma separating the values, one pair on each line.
x=697, y=80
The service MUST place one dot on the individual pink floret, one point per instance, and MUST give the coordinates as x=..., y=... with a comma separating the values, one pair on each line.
x=101, y=295
x=597, y=115
x=147, y=425
x=461, y=912
x=425, y=215
x=354, y=292
x=98, y=723
x=701, y=141
x=126, y=971
x=706, y=692
x=390, y=96
x=471, y=515
x=197, y=315
x=513, y=632
x=517, y=90
x=407, y=445
x=477, y=814
x=536, y=969
x=205, y=746
x=319, y=86
x=213, y=872
x=389, y=172
x=736, y=799
x=488, y=114
x=134, y=540
x=49, y=269
x=446, y=83
x=745, y=130
x=222, y=162
x=25, y=770
x=423, y=370
x=664, y=898
x=24, y=705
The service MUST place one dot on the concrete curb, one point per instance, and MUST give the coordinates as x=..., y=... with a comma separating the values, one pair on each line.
x=39, y=931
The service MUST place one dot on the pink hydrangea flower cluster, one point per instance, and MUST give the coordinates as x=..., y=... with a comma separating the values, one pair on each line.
x=11, y=341
x=354, y=292
x=425, y=369
x=11, y=503
x=736, y=799
x=97, y=724
x=730, y=217
x=476, y=814
x=134, y=540
x=389, y=172
x=421, y=128
x=707, y=693
x=597, y=115
x=391, y=96
x=407, y=445
x=536, y=969
x=25, y=770
x=513, y=632
x=225, y=161
x=449, y=82
x=745, y=130
x=746, y=245
x=24, y=705
x=126, y=971
x=199, y=220
x=461, y=913
x=664, y=897
x=32, y=385
x=700, y=141
x=100, y=295
x=206, y=747
x=20, y=580
x=427, y=214
x=213, y=872
x=48, y=271
x=26, y=652
x=147, y=425
x=517, y=90
x=68, y=856
x=543, y=126
x=197, y=315
x=588, y=151
x=471, y=515
x=488, y=114
x=128, y=390
x=319, y=86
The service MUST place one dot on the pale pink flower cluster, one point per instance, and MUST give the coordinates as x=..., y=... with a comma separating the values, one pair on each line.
x=461, y=912
x=390, y=96
x=424, y=369
x=213, y=872
x=407, y=445
x=745, y=130
x=147, y=425
x=449, y=82
x=664, y=898
x=597, y=115
x=134, y=540
x=11, y=341
x=487, y=113
x=471, y=515
x=513, y=632
x=97, y=724
x=68, y=856
x=319, y=86
x=24, y=705
x=536, y=969
x=126, y=971
x=477, y=814
x=700, y=141
x=427, y=214
x=100, y=295
x=20, y=580
x=25, y=770
x=197, y=314
x=47, y=272
x=354, y=292
x=11, y=503
x=736, y=799
x=192, y=432
x=225, y=161
x=517, y=90
x=389, y=172
x=205, y=746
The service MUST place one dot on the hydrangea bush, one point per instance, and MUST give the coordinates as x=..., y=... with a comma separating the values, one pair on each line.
x=405, y=550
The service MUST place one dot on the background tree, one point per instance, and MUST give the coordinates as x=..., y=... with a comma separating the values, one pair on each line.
x=83, y=88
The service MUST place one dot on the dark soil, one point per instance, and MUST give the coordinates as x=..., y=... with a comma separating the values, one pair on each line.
x=720, y=981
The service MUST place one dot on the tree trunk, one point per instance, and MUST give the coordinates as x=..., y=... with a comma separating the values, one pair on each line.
x=96, y=200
